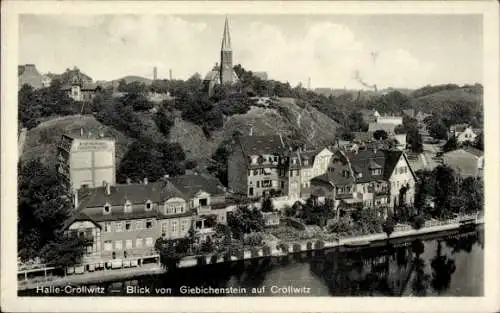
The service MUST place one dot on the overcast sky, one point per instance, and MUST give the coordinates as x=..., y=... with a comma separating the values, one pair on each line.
x=387, y=50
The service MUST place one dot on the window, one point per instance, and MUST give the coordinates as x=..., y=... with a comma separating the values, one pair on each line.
x=149, y=224
x=128, y=225
x=149, y=242
x=128, y=244
x=250, y=191
x=184, y=225
x=149, y=205
x=107, y=227
x=164, y=227
x=282, y=184
x=138, y=243
x=275, y=159
x=258, y=184
x=174, y=226
x=255, y=172
x=107, y=208
x=118, y=245
x=108, y=245
x=203, y=202
x=306, y=162
x=128, y=207
x=118, y=226
x=249, y=173
x=139, y=225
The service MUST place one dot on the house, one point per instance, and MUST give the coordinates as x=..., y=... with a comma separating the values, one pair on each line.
x=46, y=80
x=86, y=159
x=366, y=178
x=390, y=119
x=387, y=127
x=256, y=166
x=28, y=75
x=204, y=195
x=124, y=221
x=465, y=161
x=312, y=163
x=80, y=89
x=464, y=132
x=401, y=141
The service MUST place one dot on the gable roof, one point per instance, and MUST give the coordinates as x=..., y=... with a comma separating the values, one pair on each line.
x=257, y=145
x=79, y=217
x=364, y=161
x=189, y=185
x=120, y=194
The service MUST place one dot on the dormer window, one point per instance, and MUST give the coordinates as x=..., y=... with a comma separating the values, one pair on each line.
x=360, y=175
x=294, y=161
x=107, y=208
x=128, y=207
x=149, y=205
x=346, y=173
x=306, y=162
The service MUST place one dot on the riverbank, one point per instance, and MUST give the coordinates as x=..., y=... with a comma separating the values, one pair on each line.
x=191, y=261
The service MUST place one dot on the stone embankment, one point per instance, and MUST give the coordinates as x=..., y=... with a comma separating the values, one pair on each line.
x=293, y=247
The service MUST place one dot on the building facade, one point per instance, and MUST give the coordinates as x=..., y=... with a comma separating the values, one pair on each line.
x=86, y=160
x=256, y=166
x=464, y=133
x=123, y=222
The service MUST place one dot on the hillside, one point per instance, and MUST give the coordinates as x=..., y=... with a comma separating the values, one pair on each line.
x=288, y=119
x=41, y=141
x=434, y=101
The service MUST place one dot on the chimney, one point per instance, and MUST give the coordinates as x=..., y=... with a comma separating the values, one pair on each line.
x=108, y=189
x=76, y=199
x=145, y=180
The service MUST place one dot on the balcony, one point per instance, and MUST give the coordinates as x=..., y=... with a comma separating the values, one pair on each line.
x=204, y=209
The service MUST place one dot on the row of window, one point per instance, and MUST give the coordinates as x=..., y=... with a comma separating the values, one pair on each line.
x=128, y=225
x=184, y=225
x=402, y=170
x=262, y=171
x=127, y=208
x=118, y=244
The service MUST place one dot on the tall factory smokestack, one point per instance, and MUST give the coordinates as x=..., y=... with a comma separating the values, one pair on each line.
x=155, y=73
x=170, y=74
x=309, y=83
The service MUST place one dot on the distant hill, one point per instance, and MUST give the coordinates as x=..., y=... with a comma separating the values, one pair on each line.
x=435, y=99
x=41, y=141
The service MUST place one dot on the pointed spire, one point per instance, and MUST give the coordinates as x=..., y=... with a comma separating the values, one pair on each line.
x=226, y=38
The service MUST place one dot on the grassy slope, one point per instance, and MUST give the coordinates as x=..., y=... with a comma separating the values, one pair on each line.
x=434, y=101
x=42, y=141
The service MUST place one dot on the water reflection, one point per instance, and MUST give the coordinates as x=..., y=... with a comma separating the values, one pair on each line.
x=451, y=265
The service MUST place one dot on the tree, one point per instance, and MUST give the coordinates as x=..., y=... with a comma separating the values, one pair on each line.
x=388, y=226
x=267, y=205
x=445, y=189
x=380, y=135
x=479, y=141
x=245, y=220
x=451, y=144
x=44, y=206
x=414, y=139
x=356, y=123
x=437, y=129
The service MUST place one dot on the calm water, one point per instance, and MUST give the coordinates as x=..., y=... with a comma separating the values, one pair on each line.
x=450, y=265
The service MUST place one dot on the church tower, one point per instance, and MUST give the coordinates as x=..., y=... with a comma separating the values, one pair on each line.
x=226, y=57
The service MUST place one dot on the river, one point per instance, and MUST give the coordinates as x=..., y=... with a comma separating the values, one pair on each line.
x=449, y=265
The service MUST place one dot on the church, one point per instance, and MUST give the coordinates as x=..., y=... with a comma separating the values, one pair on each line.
x=223, y=73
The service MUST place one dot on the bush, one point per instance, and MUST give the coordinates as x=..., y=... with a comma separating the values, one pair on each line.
x=296, y=247
x=214, y=258
x=320, y=244
x=266, y=250
x=201, y=260
x=309, y=245
x=418, y=222
x=253, y=239
x=254, y=252
x=283, y=247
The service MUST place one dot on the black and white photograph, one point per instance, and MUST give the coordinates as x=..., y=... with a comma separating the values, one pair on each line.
x=250, y=153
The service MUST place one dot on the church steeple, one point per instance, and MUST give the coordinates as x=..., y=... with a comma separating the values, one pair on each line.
x=226, y=57
x=226, y=38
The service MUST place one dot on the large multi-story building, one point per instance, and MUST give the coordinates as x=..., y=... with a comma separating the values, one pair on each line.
x=86, y=160
x=366, y=178
x=256, y=166
x=124, y=221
